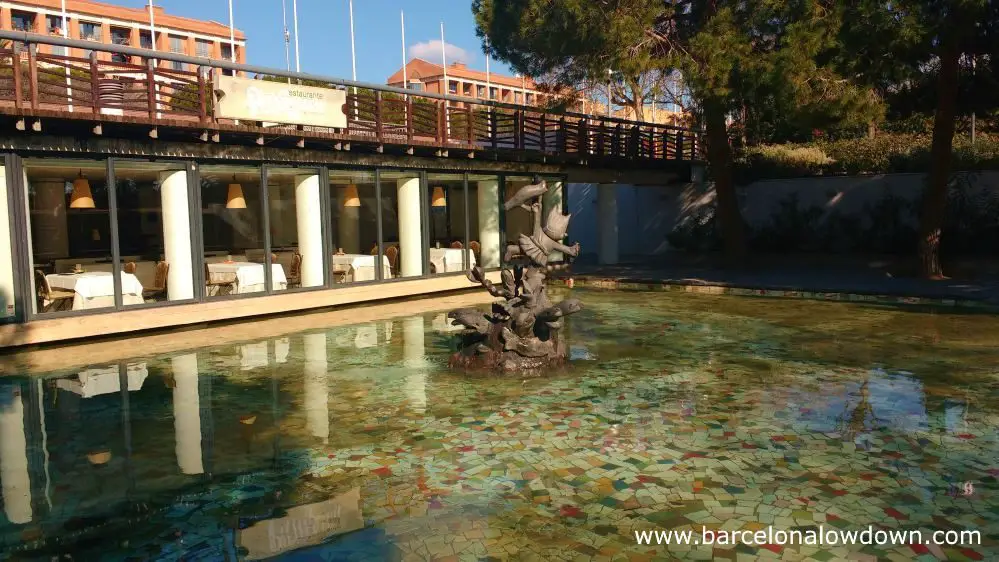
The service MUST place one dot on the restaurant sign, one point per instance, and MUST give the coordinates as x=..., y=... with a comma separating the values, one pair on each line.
x=278, y=102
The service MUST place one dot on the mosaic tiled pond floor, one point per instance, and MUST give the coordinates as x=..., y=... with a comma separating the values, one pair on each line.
x=679, y=412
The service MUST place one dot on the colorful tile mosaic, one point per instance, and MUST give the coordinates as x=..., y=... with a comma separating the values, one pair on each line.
x=679, y=412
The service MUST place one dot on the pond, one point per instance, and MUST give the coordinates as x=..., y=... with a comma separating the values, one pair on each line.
x=678, y=412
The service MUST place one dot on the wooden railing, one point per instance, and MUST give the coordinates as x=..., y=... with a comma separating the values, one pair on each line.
x=148, y=90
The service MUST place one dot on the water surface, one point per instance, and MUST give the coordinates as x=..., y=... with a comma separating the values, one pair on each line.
x=678, y=411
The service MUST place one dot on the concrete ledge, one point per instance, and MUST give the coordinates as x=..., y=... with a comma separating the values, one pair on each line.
x=776, y=291
x=64, y=330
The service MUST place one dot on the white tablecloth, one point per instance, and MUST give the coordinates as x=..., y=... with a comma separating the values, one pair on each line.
x=360, y=267
x=248, y=276
x=95, y=289
x=95, y=382
x=446, y=260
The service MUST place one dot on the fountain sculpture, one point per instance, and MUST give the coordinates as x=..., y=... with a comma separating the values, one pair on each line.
x=522, y=333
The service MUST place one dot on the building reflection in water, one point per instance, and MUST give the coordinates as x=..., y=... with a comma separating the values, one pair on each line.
x=415, y=360
x=187, y=414
x=316, y=387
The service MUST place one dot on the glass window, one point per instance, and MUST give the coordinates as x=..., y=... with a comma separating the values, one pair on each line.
x=518, y=219
x=416, y=85
x=296, y=226
x=484, y=242
x=146, y=39
x=354, y=209
x=22, y=21
x=480, y=91
x=177, y=46
x=492, y=93
x=53, y=24
x=70, y=240
x=452, y=87
x=233, y=231
x=402, y=225
x=204, y=48
x=154, y=230
x=446, y=201
x=90, y=31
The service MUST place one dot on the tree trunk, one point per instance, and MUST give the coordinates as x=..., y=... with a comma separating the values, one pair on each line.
x=720, y=159
x=935, y=194
x=638, y=108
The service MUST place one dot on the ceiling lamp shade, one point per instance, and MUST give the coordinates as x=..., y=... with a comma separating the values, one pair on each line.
x=350, y=196
x=81, y=197
x=234, y=199
x=438, y=199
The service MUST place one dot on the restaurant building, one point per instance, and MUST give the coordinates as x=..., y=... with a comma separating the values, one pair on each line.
x=141, y=197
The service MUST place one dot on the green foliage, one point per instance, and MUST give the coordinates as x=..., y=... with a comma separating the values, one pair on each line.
x=887, y=153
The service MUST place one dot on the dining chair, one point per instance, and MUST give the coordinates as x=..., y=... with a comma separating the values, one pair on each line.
x=159, y=288
x=50, y=300
x=457, y=245
x=217, y=284
x=392, y=253
x=129, y=267
x=295, y=271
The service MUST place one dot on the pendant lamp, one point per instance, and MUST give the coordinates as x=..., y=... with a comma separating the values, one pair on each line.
x=350, y=197
x=438, y=199
x=234, y=199
x=81, y=197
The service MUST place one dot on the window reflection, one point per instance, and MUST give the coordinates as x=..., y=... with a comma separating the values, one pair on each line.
x=354, y=209
x=233, y=224
x=446, y=202
x=296, y=225
x=71, y=237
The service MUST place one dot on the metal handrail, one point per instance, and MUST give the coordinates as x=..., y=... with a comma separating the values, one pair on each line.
x=29, y=37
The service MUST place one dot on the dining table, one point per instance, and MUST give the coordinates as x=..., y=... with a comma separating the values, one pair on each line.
x=449, y=260
x=244, y=277
x=95, y=289
x=350, y=268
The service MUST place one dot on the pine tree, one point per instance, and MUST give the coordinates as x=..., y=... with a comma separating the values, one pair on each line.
x=728, y=51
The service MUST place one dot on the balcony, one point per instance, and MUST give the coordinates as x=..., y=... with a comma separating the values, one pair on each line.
x=378, y=118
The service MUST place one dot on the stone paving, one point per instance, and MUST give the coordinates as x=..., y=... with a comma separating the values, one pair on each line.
x=679, y=412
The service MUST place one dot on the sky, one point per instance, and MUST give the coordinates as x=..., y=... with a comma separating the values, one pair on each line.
x=324, y=32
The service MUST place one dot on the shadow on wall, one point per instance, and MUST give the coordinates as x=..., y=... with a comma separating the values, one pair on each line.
x=847, y=214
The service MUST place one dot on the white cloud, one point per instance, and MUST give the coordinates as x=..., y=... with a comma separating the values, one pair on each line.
x=430, y=51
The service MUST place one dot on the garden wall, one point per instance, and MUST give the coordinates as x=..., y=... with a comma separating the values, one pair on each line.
x=873, y=214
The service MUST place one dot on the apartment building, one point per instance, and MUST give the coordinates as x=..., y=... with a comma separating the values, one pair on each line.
x=463, y=81
x=111, y=24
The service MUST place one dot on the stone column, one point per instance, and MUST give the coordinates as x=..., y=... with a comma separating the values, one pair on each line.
x=177, y=234
x=187, y=414
x=607, y=237
x=348, y=226
x=15, y=482
x=489, y=223
x=317, y=409
x=310, y=229
x=50, y=231
x=553, y=199
x=410, y=229
x=415, y=360
x=6, y=258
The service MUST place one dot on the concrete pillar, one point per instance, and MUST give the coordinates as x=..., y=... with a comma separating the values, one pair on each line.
x=553, y=200
x=348, y=226
x=6, y=257
x=177, y=234
x=317, y=409
x=415, y=360
x=410, y=229
x=187, y=414
x=50, y=232
x=310, y=229
x=489, y=223
x=607, y=238
x=15, y=482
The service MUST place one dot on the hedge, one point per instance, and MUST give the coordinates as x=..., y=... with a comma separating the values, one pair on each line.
x=886, y=153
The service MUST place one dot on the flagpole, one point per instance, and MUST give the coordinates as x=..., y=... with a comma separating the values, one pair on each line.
x=287, y=37
x=353, y=53
x=447, y=86
x=66, y=50
x=405, y=77
x=294, y=17
x=489, y=87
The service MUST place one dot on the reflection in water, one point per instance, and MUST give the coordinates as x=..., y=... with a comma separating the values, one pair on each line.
x=187, y=413
x=16, y=484
x=317, y=409
x=681, y=414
